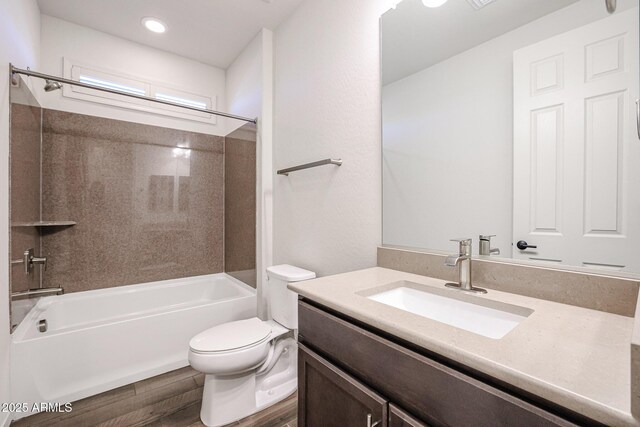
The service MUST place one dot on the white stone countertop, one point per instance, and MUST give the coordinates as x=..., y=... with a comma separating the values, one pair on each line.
x=575, y=357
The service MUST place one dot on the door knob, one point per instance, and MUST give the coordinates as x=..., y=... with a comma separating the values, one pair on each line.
x=522, y=245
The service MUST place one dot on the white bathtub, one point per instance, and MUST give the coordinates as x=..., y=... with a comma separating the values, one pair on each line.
x=103, y=339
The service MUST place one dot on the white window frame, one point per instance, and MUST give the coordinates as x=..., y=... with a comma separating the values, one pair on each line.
x=76, y=70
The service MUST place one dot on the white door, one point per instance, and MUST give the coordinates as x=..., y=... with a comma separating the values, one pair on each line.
x=576, y=149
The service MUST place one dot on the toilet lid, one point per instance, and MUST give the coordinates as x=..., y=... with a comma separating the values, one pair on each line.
x=231, y=335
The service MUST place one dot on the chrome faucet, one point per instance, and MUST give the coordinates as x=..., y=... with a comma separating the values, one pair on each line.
x=485, y=245
x=37, y=292
x=30, y=260
x=463, y=261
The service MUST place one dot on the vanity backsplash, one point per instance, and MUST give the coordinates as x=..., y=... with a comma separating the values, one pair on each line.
x=617, y=295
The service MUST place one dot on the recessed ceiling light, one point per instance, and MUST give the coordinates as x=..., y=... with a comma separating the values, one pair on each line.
x=433, y=3
x=155, y=25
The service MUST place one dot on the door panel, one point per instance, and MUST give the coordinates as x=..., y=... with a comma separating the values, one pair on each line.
x=427, y=388
x=546, y=164
x=575, y=145
x=329, y=397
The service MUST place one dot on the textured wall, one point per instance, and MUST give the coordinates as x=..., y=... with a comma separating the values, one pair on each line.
x=327, y=104
x=249, y=84
x=240, y=204
x=146, y=209
x=25, y=191
x=20, y=35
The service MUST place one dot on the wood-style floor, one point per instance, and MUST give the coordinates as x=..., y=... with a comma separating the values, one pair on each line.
x=169, y=400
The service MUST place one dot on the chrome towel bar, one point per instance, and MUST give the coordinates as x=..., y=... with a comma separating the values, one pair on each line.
x=286, y=171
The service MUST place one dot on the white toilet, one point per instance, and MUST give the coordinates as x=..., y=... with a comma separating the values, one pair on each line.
x=250, y=364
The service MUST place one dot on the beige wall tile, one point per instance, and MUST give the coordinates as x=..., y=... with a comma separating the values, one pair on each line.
x=146, y=209
x=25, y=190
x=240, y=204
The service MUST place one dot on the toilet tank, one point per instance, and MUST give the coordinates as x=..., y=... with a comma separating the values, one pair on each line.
x=283, y=302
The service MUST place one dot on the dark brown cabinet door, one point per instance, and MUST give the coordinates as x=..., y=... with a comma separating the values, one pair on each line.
x=436, y=393
x=399, y=418
x=328, y=397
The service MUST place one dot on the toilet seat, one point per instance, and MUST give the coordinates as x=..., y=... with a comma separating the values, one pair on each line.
x=231, y=336
x=251, y=364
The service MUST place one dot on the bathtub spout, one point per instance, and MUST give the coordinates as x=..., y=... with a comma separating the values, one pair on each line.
x=37, y=292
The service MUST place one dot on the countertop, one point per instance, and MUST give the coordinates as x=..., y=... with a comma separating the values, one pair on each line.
x=576, y=357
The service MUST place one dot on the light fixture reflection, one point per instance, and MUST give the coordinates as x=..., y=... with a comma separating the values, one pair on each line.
x=181, y=152
x=155, y=25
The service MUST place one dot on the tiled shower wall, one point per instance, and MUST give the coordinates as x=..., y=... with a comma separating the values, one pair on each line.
x=25, y=183
x=148, y=202
x=240, y=203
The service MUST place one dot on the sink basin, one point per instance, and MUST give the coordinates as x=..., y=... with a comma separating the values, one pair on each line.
x=492, y=319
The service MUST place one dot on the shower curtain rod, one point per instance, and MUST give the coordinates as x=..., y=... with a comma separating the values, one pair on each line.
x=15, y=70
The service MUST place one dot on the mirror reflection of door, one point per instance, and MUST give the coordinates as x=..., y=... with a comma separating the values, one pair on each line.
x=576, y=146
x=515, y=119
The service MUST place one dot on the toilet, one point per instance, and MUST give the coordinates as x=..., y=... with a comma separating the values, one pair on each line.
x=250, y=364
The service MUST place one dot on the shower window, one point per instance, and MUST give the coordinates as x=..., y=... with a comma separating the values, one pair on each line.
x=110, y=84
x=116, y=80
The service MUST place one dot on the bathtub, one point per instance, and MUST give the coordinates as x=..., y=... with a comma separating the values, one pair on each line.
x=103, y=339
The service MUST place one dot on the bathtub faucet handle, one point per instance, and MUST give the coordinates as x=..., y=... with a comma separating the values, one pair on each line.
x=40, y=260
x=29, y=260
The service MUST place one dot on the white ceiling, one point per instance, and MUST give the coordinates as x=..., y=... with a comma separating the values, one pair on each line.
x=209, y=31
x=415, y=37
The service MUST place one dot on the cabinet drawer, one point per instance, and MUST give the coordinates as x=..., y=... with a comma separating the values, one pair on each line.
x=436, y=393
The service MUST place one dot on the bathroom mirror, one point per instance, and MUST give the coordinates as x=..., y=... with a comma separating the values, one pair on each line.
x=513, y=118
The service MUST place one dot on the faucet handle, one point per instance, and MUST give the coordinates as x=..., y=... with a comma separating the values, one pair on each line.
x=464, y=240
x=485, y=245
x=27, y=256
x=40, y=260
x=465, y=245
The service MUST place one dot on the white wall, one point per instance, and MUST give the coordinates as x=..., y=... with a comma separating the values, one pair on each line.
x=20, y=40
x=244, y=91
x=249, y=93
x=448, y=135
x=327, y=104
x=64, y=39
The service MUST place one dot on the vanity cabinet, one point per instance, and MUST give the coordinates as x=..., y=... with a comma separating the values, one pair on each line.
x=348, y=370
x=331, y=398
x=399, y=418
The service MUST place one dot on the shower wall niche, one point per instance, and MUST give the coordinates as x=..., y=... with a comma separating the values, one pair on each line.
x=134, y=203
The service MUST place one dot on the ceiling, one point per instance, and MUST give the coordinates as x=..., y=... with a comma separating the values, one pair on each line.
x=415, y=37
x=210, y=31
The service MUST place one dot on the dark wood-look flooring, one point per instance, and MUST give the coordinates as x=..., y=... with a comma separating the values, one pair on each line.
x=169, y=400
